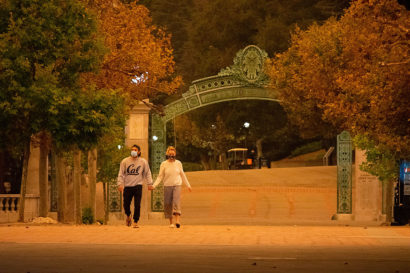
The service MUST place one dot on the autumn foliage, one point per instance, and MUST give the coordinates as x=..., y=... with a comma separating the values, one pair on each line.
x=351, y=74
x=139, y=61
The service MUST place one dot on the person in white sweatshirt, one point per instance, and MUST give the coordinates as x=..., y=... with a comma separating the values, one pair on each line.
x=172, y=174
x=134, y=170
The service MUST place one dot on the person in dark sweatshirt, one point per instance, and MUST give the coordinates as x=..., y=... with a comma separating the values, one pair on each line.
x=134, y=170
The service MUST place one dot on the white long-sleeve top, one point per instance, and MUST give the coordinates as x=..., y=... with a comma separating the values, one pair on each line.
x=172, y=174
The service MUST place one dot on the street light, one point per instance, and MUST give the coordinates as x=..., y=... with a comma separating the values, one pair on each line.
x=246, y=125
x=155, y=138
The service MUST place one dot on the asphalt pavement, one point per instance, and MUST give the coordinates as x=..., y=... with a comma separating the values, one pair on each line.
x=201, y=248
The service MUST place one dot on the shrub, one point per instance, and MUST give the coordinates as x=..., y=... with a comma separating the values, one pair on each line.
x=192, y=167
x=307, y=148
x=88, y=217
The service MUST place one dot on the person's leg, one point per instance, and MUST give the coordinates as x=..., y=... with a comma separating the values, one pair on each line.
x=168, y=190
x=176, y=204
x=137, y=193
x=127, y=196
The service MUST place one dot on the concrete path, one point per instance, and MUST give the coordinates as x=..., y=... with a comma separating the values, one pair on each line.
x=210, y=235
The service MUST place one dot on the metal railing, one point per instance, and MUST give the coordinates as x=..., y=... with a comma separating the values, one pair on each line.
x=327, y=155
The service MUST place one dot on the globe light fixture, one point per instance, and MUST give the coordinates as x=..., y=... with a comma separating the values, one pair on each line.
x=155, y=138
x=246, y=124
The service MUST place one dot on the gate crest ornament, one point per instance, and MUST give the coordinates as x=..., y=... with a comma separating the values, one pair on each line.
x=248, y=67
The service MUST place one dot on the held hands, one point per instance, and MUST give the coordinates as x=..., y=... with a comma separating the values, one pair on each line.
x=120, y=188
x=190, y=189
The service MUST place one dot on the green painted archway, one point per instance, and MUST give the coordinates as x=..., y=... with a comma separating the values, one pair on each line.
x=244, y=80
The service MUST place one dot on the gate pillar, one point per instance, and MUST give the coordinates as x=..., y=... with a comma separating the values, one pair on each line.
x=158, y=142
x=344, y=177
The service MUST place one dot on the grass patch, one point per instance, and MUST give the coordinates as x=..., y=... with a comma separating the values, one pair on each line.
x=305, y=149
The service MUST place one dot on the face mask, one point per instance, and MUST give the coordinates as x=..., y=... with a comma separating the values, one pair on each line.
x=134, y=153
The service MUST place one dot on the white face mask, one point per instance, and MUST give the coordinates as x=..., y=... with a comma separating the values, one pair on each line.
x=134, y=153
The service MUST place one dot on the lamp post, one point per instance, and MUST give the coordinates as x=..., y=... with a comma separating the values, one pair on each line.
x=246, y=125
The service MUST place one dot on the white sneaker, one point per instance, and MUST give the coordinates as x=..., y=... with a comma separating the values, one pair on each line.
x=171, y=225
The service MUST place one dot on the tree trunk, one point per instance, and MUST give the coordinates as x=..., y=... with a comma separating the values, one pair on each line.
x=224, y=161
x=105, y=193
x=92, y=176
x=259, y=147
x=62, y=187
x=212, y=162
x=77, y=186
x=43, y=175
x=54, y=181
x=205, y=162
x=24, y=174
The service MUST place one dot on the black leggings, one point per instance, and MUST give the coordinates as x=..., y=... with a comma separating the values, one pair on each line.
x=136, y=193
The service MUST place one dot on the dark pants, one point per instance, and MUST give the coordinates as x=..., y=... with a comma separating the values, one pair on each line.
x=136, y=193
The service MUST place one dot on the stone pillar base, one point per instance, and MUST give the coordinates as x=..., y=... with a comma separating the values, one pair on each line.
x=53, y=215
x=382, y=218
x=31, y=208
x=368, y=218
x=342, y=217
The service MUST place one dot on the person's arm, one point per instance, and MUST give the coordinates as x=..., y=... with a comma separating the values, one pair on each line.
x=147, y=174
x=160, y=175
x=184, y=178
x=121, y=176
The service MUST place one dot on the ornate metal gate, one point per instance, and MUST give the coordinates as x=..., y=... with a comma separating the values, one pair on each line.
x=344, y=173
x=244, y=80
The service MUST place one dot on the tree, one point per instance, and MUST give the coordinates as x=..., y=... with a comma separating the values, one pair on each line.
x=89, y=117
x=44, y=46
x=111, y=151
x=306, y=77
x=353, y=74
x=140, y=61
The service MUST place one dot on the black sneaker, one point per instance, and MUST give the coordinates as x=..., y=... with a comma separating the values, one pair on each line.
x=178, y=225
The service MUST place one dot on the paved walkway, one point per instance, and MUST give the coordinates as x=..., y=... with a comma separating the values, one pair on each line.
x=210, y=235
x=204, y=249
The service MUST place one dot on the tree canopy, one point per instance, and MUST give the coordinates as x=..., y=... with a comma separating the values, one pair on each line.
x=352, y=73
x=140, y=61
x=44, y=47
